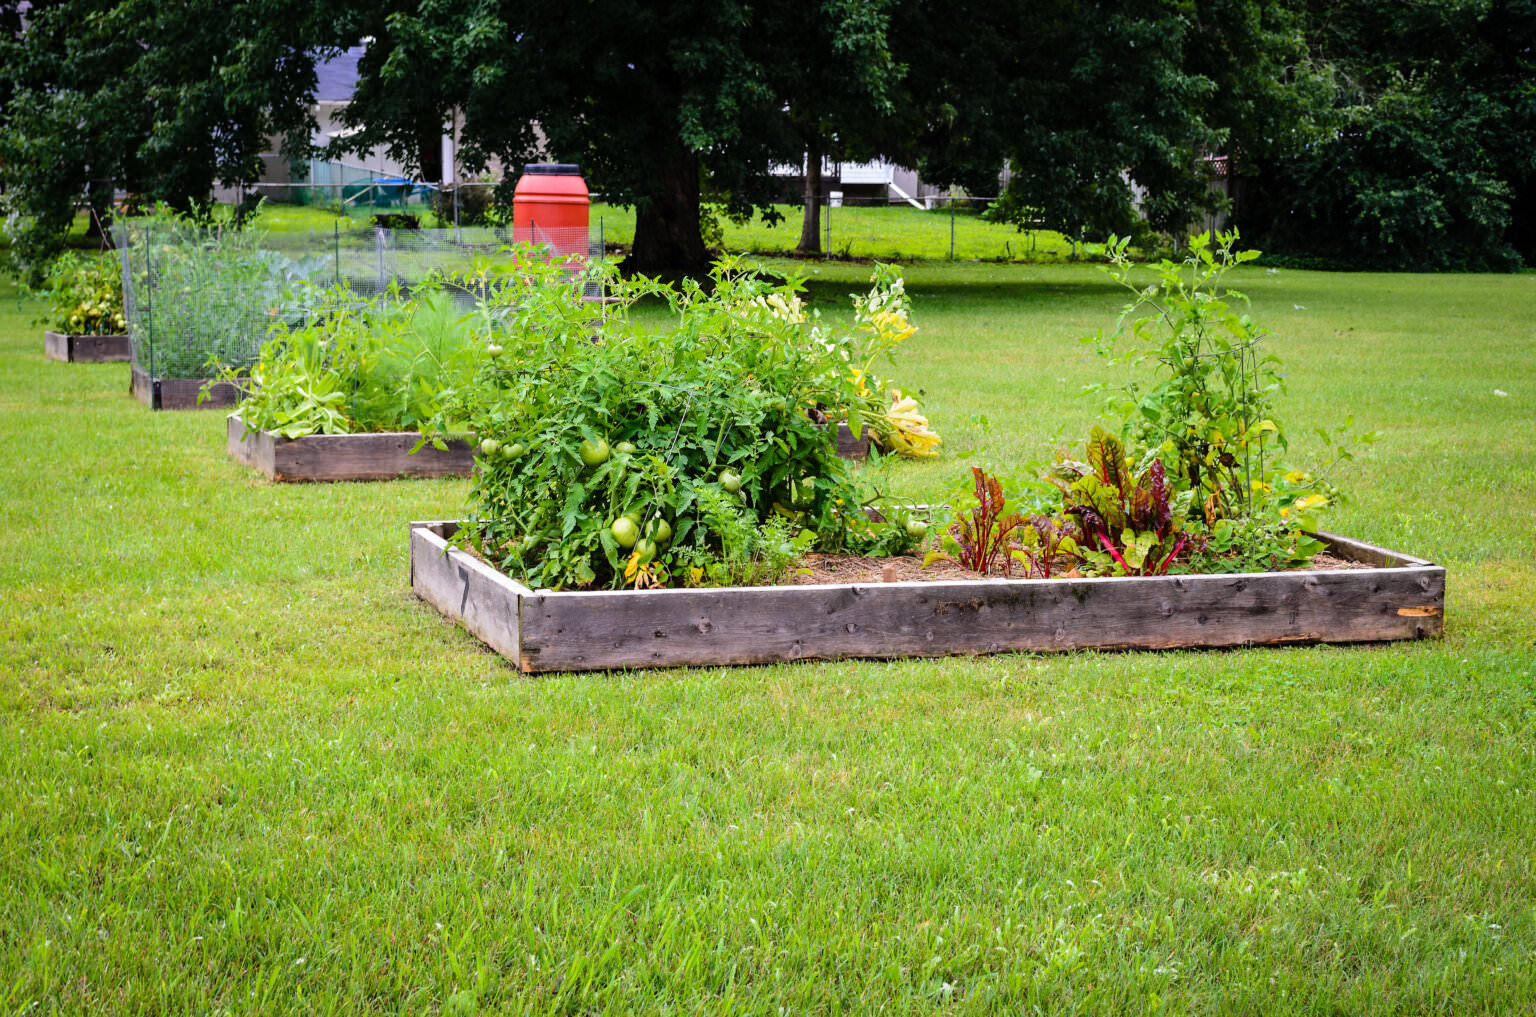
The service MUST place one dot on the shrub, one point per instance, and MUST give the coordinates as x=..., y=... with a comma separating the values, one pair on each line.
x=477, y=205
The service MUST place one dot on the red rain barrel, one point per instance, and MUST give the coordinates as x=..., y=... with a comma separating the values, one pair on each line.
x=550, y=206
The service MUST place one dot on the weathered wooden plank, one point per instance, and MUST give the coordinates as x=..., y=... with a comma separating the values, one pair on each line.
x=334, y=457
x=465, y=589
x=1369, y=554
x=849, y=447
x=615, y=629
x=87, y=349
x=181, y=393
x=579, y=631
x=252, y=448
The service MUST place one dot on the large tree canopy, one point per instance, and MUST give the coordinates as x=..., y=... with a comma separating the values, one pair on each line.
x=1102, y=109
x=661, y=104
x=165, y=100
x=1427, y=157
x=1397, y=134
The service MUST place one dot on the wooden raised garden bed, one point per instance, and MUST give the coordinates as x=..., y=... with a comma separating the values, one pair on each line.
x=87, y=349
x=347, y=456
x=181, y=393
x=1397, y=597
x=850, y=447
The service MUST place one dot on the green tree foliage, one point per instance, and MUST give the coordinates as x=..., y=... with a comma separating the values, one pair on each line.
x=161, y=100
x=1089, y=102
x=661, y=104
x=1427, y=157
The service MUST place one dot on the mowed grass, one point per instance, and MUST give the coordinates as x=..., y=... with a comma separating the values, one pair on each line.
x=892, y=232
x=248, y=773
x=895, y=232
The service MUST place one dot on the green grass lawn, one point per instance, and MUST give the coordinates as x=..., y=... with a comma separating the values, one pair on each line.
x=892, y=233
x=248, y=773
x=896, y=233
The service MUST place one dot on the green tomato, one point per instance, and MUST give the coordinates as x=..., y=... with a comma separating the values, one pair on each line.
x=512, y=451
x=646, y=549
x=917, y=529
x=627, y=447
x=625, y=531
x=661, y=531
x=730, y=481
x=633, y=515
x=594, y=454
x=493, y=351
x=490, y=447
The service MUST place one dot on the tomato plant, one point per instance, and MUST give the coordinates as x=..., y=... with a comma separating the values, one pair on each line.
x=84, y=294
x=632, y=431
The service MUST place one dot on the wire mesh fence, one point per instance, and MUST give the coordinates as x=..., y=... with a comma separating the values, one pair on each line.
x=199, y=300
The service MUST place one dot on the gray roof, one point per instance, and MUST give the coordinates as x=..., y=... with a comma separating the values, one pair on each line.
x=338, y=76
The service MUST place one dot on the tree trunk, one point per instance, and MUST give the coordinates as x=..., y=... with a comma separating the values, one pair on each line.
x=430, y=152
x=810, y=223
x=667, y=238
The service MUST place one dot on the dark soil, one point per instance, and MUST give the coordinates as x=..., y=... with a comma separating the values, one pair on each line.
x=847, y=568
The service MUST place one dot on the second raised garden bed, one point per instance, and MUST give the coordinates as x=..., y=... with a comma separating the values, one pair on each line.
x=1396, y=597
x=87, y=349
x=325, y=457
x=181, y=393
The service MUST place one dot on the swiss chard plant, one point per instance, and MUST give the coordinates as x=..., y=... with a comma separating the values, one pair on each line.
x=1131, y=521
x=982, y=535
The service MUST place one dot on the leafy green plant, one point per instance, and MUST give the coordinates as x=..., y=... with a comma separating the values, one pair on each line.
x=593, y=424
x=739, y=551
x=1208, y=413
x=203, y=299
x=1131, y=522
x=84, y=294
x=356, y=366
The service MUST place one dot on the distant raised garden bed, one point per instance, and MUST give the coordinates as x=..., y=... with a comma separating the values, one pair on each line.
x=850, y=447
x=1395, y=597
x=181, y=393
x=87, y=349
x=347, y=456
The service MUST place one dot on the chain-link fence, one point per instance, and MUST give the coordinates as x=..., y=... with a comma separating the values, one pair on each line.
x=198, y=300
x=372, y=194
x=954, y=227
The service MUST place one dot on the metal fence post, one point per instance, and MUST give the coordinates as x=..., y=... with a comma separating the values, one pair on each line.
x=951, y=227
x=149, y=288
x=827, y=246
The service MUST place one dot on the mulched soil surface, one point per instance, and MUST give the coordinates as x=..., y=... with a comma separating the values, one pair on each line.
x=842, y=568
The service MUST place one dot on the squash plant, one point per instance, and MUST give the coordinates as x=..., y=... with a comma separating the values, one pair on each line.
x=609, y=450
